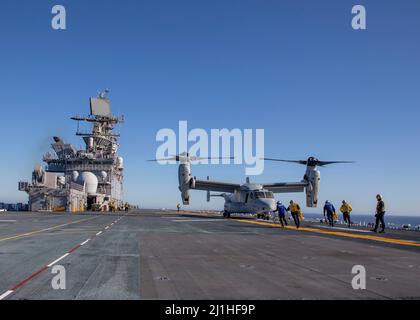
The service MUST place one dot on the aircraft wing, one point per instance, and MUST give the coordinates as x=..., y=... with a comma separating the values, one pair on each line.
x=215, y=186
x=286, y=187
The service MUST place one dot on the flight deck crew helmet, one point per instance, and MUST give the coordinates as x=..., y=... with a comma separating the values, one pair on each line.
x=379, y=197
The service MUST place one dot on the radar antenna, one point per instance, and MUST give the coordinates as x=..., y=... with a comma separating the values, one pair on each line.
x=103, y=94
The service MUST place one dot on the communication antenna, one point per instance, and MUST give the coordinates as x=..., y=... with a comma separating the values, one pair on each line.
x=103, y=94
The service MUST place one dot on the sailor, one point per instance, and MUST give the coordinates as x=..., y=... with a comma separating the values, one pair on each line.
x=330, y=211
x=281, y=209
x=346, y=208
x=296, y=212
x=380, y=213
x=178, y=206
x=111, y=206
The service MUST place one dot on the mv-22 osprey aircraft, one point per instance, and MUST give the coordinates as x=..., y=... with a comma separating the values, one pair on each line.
x=251, y=198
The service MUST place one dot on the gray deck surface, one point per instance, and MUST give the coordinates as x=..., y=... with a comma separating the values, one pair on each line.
x=154, y=254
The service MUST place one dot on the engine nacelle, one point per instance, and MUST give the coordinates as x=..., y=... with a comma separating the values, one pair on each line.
x=185, y=195
x=186, y=182
x=313, y=177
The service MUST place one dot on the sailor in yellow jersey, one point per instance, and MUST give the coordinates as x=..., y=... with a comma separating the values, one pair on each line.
x=296, y=212
x=346, y=208
x=380, y=212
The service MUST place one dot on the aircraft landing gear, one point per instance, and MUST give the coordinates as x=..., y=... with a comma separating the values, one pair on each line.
x=226, y=215
x=263, y=216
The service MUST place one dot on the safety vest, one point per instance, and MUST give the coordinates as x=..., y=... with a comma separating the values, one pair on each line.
x=346, y=207
x=380, y=207
x=294, y=207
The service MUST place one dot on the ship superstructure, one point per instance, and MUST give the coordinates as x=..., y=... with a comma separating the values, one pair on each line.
x=79, y=180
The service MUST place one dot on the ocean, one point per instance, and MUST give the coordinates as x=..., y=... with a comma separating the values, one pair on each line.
x=392, y=221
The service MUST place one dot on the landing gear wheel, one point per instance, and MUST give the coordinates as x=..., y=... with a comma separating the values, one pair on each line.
x=226, y=214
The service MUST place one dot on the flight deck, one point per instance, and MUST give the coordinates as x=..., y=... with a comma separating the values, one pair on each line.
x=163, y=254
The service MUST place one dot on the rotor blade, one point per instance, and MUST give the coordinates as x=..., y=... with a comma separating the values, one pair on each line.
x=184, y=157
x=194, y=158
x=163, y=159
x=325, y=163
x=310, y=161
x=304, y=162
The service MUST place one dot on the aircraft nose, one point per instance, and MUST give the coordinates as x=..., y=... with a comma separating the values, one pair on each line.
x=273, y=205
x=267, y=204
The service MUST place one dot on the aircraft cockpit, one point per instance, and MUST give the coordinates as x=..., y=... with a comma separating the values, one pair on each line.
x=262, y=195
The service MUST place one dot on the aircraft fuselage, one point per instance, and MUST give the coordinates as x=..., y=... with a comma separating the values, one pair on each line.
x=255, y=201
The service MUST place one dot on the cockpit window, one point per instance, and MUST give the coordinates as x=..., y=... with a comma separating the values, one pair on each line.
x=264, y=195
x=269, y=195
x=259, y=194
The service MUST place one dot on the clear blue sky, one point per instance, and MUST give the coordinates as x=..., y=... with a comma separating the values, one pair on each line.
x=295, y=68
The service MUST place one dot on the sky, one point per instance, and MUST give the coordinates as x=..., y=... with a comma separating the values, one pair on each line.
x=296, y=69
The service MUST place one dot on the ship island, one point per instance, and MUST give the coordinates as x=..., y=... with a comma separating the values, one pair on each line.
x=90, y=179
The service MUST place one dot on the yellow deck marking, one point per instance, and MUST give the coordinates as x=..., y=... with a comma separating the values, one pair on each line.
x=338, y=233
x=43, y=230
